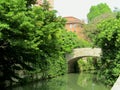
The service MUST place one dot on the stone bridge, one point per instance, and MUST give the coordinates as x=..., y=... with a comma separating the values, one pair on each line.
x=79, y=53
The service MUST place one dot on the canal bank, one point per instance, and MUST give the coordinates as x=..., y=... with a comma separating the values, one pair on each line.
x=74, y=81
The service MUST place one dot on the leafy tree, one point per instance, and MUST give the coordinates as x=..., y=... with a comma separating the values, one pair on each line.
x=108, y=39
x=25, y=35
x=98, y=10
x=69, y=41
x=97, y=14
x=15, y=27
x=91, y=28
x=31, y=40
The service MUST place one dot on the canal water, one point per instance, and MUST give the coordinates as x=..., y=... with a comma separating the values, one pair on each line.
x=76, y=81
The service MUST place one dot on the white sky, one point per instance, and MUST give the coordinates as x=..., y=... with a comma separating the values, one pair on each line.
x=80, y=8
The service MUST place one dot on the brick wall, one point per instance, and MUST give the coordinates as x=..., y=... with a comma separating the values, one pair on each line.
x=75, y=25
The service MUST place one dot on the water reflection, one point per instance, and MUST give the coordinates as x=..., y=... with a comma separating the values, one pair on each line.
x=83, y=81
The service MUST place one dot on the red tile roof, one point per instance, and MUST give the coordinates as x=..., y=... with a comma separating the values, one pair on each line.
x=71, y=19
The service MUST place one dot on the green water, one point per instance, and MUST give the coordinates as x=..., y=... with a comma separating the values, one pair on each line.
x=83, y=81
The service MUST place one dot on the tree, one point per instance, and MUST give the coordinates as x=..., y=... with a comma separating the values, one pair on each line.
x=98, y=10
x=108, y=39
x=97, y=14
x=91, y=28
x=31, y=40
x=26, y=34
x=15, y=27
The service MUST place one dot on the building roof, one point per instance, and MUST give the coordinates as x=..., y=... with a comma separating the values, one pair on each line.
x=71, y=19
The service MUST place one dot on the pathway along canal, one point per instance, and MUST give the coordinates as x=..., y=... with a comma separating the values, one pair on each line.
x=76, y=81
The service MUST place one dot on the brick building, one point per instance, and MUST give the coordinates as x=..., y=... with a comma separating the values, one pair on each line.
x=51, y=2
x=75, y=25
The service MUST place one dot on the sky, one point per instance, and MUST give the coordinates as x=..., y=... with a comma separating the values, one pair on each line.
x=80, y=8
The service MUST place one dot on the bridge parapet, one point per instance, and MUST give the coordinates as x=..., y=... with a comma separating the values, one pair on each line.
x=84, y=52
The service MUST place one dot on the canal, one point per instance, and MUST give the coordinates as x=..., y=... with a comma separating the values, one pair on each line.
x=76, y=81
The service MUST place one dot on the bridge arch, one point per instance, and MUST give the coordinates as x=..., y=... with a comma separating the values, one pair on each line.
x=78, y=53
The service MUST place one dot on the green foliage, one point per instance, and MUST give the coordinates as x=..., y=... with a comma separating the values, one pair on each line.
x=29, y=40
x=69, y=41
x=84, y=43
x=15, y=27
x=108, y=39
x=103, y=30
x=91, y=28
x=98, y=10
x=86, y=64
x=32, y=40
x=97, y=14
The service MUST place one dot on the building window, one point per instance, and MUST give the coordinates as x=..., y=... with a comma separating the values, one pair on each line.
x=74, y=25
x=70, y=25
